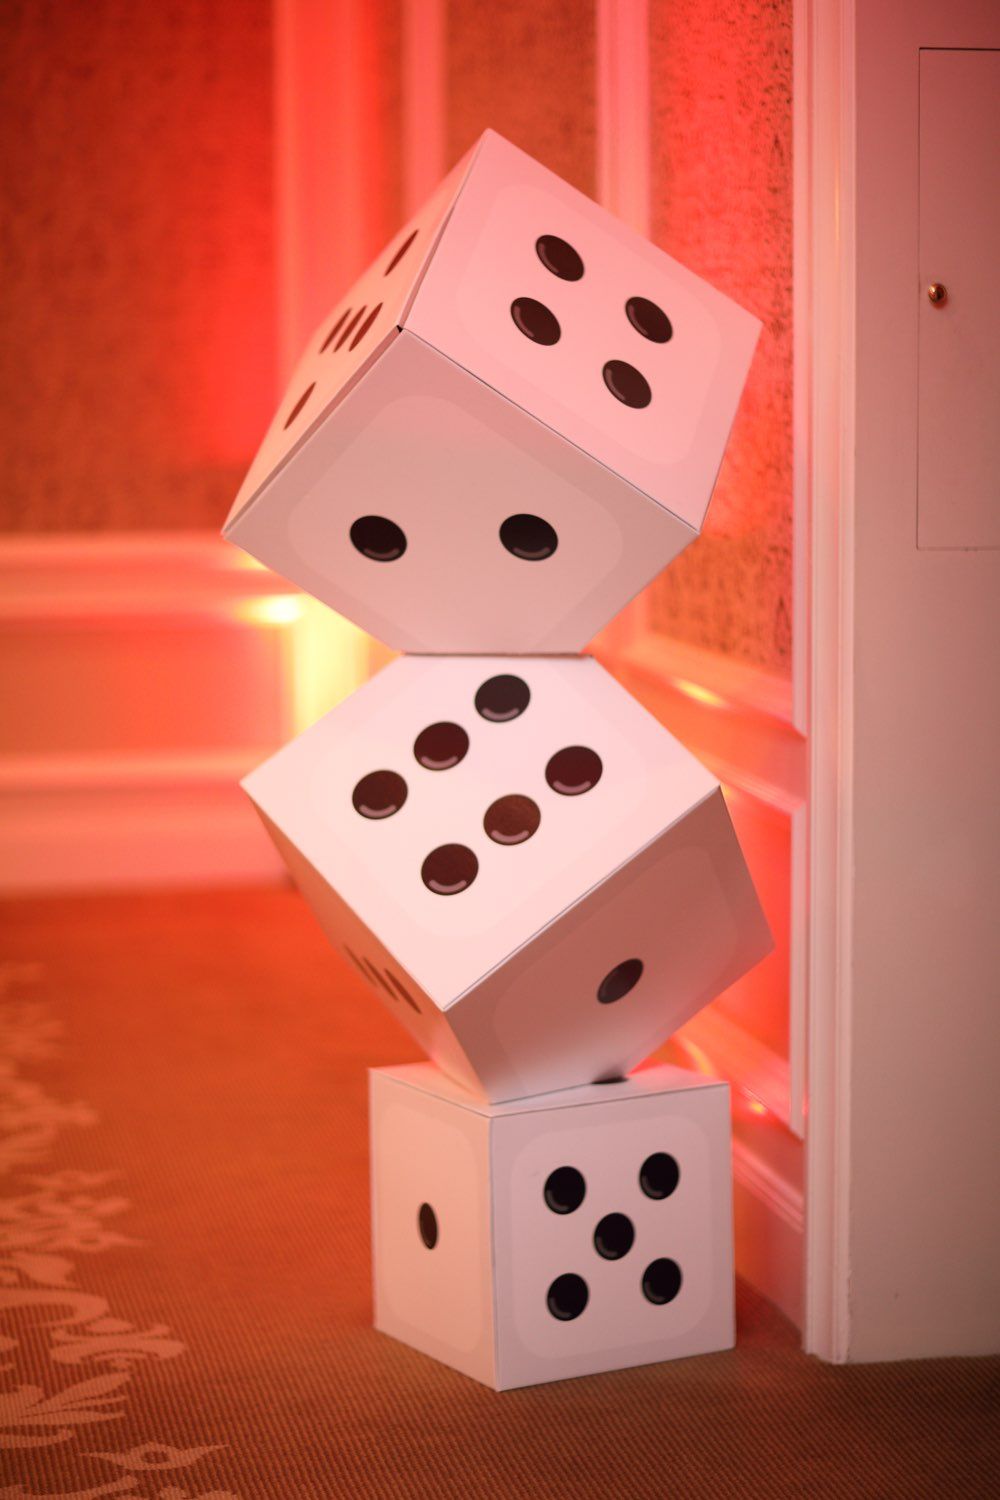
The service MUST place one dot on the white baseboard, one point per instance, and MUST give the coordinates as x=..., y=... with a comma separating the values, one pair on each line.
x=85, y=809
x=101, y=823
x=770, y=1227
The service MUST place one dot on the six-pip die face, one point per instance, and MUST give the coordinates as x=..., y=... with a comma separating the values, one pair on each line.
x=528, y=431
x=538, y=878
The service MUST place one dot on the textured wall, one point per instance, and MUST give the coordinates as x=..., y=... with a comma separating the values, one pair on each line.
x=526, y=68
x=138, y=284
x=722, y=204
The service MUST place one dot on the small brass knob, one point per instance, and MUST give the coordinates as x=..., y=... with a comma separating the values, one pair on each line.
x=937, y=292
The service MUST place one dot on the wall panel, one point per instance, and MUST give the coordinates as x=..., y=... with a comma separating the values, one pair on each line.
x=526, y=68
x=138, y=250
x=722, y=203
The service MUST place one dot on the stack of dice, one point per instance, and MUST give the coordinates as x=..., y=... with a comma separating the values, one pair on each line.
x=512, y=422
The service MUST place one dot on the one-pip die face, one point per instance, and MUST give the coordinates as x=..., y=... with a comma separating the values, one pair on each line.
x=524, y=852
x=510, y=424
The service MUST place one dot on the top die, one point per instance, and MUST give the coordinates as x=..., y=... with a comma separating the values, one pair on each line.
x=513, y=421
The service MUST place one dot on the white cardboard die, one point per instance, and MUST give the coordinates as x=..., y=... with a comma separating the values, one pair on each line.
x=503, y=982
x=446, y=420
x=467, y=1253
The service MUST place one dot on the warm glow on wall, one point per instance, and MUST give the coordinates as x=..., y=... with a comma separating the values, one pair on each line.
x=324, y=656
x=329, y=659
x=272, y=609
x=698, y=693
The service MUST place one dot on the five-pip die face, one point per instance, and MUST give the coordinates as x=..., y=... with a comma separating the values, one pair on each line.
x=528, y=431
x=538, y=879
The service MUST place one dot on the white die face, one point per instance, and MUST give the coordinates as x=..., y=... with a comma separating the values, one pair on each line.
x=465, y=485
x=613, y=1235
x=408, y=511
x=459, y=806
x=348, y=338
x=622, y=971
x=430, y=1190
x=586, y=325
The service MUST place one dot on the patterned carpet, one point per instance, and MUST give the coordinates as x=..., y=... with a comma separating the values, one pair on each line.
x=184, y=1264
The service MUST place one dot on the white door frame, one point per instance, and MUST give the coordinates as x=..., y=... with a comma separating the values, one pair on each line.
x=855, y=223
x=824, y=98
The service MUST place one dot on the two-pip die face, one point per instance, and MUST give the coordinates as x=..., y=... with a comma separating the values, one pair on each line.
x=537, y=878
x=512, y=422
x=562, y=1235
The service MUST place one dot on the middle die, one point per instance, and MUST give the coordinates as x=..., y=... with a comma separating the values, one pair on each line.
x=535, y=875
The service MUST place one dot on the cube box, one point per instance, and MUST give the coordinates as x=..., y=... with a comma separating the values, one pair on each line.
x=562, y=1235
x=510, y=424
x=533, y=874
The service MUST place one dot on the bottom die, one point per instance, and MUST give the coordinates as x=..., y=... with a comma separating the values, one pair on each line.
x=584, y=1230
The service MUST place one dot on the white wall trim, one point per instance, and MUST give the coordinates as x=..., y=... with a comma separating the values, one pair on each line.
x=114, y=816
x=767, y=1211
x=424, y=121
x=825, y=237
x=734, y=1053
x=101, y=822
x=623, y=116
x=323, y=227
x=127, y=574
x=742, y=686
x=783, y=1199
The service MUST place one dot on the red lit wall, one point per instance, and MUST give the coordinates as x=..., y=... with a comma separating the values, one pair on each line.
x=139, y=211
x=722, y=203
x=528, y=69
x=138, y=286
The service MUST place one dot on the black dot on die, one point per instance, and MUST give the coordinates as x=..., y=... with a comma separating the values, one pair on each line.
x=300, y=403
x=535, y=321
x=567, y=1297
x=335, y=330
x=346, y=332
x=378, y=538
x=649, y=320
x=379, y=794
x=614, y=1236
x=449, y=869
x=574, y=770
x=503, y=698
x=659, y=1175
x=622, y=978
x=512, y=819
x=441, y=746
x=529, y=537
x=428, y=1225
x=559, y=257
x=626, y=384
x=661, y=1281
x=564, y=1190
x=356, y=340
x=394, y=262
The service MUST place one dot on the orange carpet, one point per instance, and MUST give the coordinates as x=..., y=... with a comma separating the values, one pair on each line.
x=184, y=1264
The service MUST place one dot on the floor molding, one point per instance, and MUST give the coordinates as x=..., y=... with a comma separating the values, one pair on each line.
x=99, y=787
